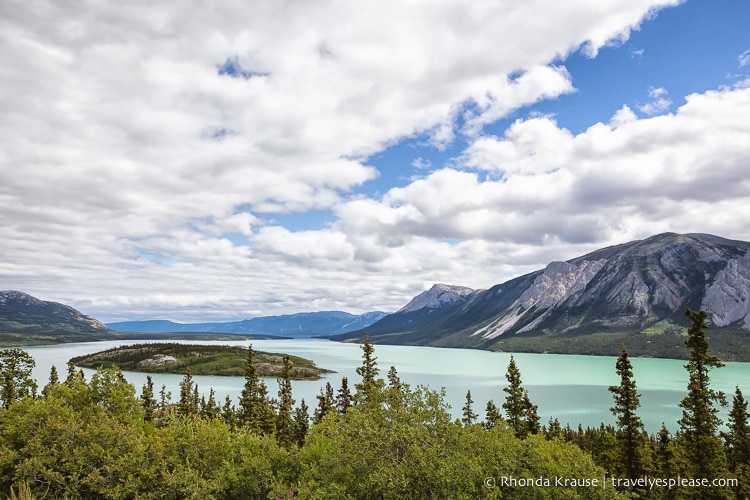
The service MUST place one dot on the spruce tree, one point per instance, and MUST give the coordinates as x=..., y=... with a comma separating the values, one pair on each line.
x=326, y=403
x=630, y=433
x=54, y=381
x=255, y=411
x=469, y=417
x=148, y=402
x=515, y=413
x=530, y=414
x=492, y=417
x=188, y=404
x=738, y=435
x=699, y=422
x=228, y=415
x=16, y=377
x=301, y=423
x=210, y=409
x=368, y=390
x=285, y=427
x=343, y=397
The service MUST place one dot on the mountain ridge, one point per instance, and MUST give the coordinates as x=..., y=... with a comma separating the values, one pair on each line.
x=619, y=290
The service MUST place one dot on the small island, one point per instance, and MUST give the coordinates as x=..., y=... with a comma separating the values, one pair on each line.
x=201, y=359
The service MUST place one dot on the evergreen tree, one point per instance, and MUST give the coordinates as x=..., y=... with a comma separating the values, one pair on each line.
x=530, y=415
x=188, y=404
x=469, y=417
x=630, y=433
x=148, y=402
x=54, y=381
x=255, y=410
x=301, y=423
x=370, y=387
x=228, y=415
x=164, y=398
x=554, y=431
x=515, y=412
x=210, y=409
x=394, y=382
x=343, y=397
x=326, y=404
x=16, y=377
x=738, y=435
x=492, y=417
x=285, y=428
x=699, y=421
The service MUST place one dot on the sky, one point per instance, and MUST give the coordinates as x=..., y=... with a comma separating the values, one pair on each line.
x=216, y=161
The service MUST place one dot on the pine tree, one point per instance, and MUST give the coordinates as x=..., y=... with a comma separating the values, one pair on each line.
x=148, y=403
x=370, y=387
x=492, y=417
x=54, y=381
x=515, y=413
x=343, y=397
x=326, y=403
x=301, y=423
x=210, y=409
x=738, y=435
x=699, y=421
x=469, y=417
x=164, y=397
x=228, y=414
x=255, y=409
x=554, y=430
x=285, y=428
x=16, y=377
x=630, y=433
x=530, y=415
x=188, y=405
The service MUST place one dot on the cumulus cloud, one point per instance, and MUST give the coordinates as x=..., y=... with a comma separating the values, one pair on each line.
x=626, y=179
x=167, y=129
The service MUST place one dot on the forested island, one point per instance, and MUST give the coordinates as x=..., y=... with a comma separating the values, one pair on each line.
x=199, y=359
x=381, y=438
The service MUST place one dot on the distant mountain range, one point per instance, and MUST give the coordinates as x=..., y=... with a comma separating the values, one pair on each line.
x=634, y=293
x=300, y=325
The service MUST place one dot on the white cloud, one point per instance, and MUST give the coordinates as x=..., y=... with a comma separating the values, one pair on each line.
x=614, y=182
x=119, y=137
x=744, y=58
x=659, y=103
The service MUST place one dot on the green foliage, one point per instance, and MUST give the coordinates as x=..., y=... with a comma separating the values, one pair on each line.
x=255, y=408
x=469, y=417
x=368, y=390
x=699, y=422
x=16, y=380
x=631, y=438
x=201, y=359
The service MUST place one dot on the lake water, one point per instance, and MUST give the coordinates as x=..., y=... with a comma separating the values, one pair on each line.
x=570, y=388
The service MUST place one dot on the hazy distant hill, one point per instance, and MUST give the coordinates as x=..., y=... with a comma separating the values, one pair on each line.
x=636, y=292
x=289, y=325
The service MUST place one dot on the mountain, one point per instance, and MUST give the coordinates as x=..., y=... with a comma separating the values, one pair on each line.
x=24, y=316
x=300, y=325
x=635, y=293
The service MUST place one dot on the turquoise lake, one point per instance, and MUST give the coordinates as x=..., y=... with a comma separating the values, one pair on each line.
x=570, y=388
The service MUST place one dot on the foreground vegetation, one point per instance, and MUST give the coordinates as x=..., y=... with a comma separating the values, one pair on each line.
x=199, y=359
x=381, y=439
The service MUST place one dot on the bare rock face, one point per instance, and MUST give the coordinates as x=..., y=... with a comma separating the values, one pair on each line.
x=438, y=296
x=727, y=298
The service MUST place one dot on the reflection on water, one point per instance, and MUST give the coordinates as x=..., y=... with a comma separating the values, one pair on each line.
x=570, y=388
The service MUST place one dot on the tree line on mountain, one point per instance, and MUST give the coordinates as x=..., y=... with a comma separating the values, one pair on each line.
x=381, y=439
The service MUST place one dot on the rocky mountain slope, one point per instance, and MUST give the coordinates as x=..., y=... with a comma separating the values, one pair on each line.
x=636, y=291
